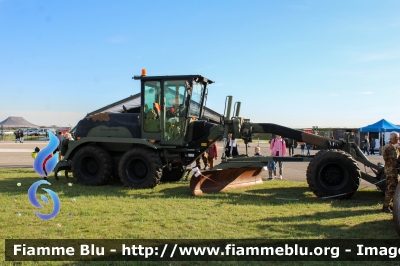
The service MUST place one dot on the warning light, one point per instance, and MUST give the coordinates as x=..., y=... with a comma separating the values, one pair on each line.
x=144, y=72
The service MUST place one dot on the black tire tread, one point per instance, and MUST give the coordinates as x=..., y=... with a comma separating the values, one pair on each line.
x=105, y=164
x=319, y=153
x=154, y=162
x=349, y=163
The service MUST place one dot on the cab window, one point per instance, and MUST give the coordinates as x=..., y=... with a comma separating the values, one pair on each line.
x=175, y=109
x=152, y=106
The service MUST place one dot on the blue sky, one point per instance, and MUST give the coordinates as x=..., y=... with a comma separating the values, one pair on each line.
x=294, y=63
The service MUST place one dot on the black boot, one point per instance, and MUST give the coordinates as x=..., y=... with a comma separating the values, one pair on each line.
x=387, y=209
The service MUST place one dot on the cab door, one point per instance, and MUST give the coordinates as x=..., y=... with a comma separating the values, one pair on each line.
x=174, y=111
x=151, y=110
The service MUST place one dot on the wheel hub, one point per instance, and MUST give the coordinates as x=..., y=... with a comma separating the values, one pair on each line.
x=333, y=175
x=137, y=169
x=91, y=166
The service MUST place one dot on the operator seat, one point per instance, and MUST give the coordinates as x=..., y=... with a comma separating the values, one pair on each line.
x=152, y=119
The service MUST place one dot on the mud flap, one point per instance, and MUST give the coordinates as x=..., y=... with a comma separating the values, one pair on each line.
x=221, y=180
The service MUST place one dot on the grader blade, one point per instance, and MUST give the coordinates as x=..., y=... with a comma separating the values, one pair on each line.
x=221, y=180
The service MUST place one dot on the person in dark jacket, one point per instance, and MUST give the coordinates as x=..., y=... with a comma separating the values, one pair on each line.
x=366, y=145
x=21, y=136
x=16, y=133
x=290, y=145
x=373, y=144
x=308, y=146
x=231, y=143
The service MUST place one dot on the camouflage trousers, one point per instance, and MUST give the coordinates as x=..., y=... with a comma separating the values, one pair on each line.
x=391, y=184
x=204, y=158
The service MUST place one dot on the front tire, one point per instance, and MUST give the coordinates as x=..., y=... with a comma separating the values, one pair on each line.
x=333, y=174
x=92, y=166
x=140, y=168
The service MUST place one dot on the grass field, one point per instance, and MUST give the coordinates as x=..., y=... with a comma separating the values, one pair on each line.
x=277, y=209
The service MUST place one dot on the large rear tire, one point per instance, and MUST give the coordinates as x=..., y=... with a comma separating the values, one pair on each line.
x=92, y=166
x=319, y=153
x=140, y=168
x=333, y=174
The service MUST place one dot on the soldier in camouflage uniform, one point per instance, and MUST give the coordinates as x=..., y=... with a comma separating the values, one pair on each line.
x=390, y=155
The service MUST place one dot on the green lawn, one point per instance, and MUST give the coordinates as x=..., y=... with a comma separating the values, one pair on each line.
x=276, y=209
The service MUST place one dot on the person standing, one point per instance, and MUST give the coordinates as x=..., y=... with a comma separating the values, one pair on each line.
x=231, y=143
x=366, y=145
x=212, y=154
x=308, y=149
x=390, y=155
x=278, y=148
x=373, y=144
x=290, y=145
x=16, y=136
x=60, y=137
x=21, y=136
x=203, y=158
x=302, y=147
x=271, y=168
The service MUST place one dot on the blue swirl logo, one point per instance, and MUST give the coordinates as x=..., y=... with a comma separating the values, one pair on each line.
x=45, y=160
x=32, y=198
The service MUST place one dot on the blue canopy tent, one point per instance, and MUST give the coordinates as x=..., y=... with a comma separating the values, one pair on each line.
x=382, y=127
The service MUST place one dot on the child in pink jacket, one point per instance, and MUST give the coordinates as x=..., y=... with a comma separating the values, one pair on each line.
x=278, y=148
